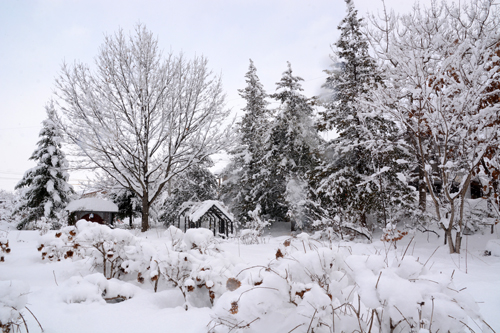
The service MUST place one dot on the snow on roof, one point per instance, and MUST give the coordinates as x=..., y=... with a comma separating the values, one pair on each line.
x=198, y=209
x=92, y=204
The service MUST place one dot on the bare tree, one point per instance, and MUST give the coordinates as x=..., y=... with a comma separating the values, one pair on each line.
x=442, y=87
x=140, y=116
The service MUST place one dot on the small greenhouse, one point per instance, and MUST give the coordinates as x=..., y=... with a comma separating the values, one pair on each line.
x=209, y=214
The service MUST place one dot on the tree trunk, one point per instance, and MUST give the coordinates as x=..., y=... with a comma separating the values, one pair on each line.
x=145, y=212
x=422, y=190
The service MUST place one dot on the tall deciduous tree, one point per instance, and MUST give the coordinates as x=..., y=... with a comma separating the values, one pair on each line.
x=242, y=182
x=442, y=87
x=141, y=116
x=45, y=187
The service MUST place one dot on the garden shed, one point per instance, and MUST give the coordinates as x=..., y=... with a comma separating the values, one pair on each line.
x=92, y=210
x=210, y=214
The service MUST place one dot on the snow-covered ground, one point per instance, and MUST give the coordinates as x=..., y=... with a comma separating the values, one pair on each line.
x=55, y=287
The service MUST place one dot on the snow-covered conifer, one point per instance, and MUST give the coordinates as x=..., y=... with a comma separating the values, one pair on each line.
x=45, y=187
x=246, y=156
x=196, y=184
x=361, y=176
x=290, y=153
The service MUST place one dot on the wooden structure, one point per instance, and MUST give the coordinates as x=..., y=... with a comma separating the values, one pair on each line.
x=93, y=210
x=210, y=214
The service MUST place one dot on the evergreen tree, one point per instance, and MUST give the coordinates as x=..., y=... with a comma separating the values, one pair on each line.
x=129, y=204
x=290, y=153
x=45, y=187
x=362, y=176
x=241, y=173
x=197, y=183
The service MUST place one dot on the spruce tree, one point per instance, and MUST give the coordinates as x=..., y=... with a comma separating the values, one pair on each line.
x=242, y=183
x=290, y=153
x=362, y=177
x=45, y=187
x=197, y=183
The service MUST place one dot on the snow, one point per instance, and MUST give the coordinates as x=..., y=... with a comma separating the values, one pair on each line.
x=92, y=204
x=72, y=295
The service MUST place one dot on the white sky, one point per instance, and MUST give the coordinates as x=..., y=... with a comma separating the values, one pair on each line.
x=37, y=36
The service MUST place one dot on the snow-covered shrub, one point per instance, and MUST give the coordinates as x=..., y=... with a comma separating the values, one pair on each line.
x=13, y=299
x=392, y=234
x=62, y=245
x=103, y=245
x=191, y=262
x=4, y=245
x=255, y=227
x=95, y=288
x=316, y=288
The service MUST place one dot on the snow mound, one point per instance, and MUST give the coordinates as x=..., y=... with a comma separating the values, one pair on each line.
x=95, y=288
x=198, y=238
x=493, y=247
x=13, y=298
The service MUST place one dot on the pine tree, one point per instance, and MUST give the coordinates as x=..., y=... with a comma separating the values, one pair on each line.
x=197, y=183
x=129, y=205
x=355, y=182
x=241, y=174
x=290, y=155
x=45, y=187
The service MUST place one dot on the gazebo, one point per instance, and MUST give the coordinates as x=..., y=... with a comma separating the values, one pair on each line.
x=210, y=214
x=93, y=210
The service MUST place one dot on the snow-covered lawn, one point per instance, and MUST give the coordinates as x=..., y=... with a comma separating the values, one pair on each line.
x=64, y=295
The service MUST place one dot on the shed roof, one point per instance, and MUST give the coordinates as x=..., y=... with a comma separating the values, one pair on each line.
x=92, y=204
x=195, y=210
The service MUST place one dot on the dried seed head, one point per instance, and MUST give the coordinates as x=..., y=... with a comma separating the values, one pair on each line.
x=232, y=284
x=286, y=242
x=59, y=234
x=279, y=254
x=234, y=308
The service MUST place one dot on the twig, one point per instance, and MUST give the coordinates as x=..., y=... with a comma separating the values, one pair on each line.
x=431, y=256
x=35, y=318
x=24, y=321
x=432, y=313
x=406, y=250
x=293, y=329
x=314, y=314
x=489, y=326
x=379, y=275
x=53, y=272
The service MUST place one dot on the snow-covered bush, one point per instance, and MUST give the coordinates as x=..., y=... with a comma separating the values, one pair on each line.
x=103, y=245
x=4, y=245
x=392, y=234
x=321, y=289
x=13, y=299
x=255, y=227
x=95, y=288
x=61, y=245
x=191, y=262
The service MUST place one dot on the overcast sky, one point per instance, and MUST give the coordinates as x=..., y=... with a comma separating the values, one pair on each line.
x=36, y=37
